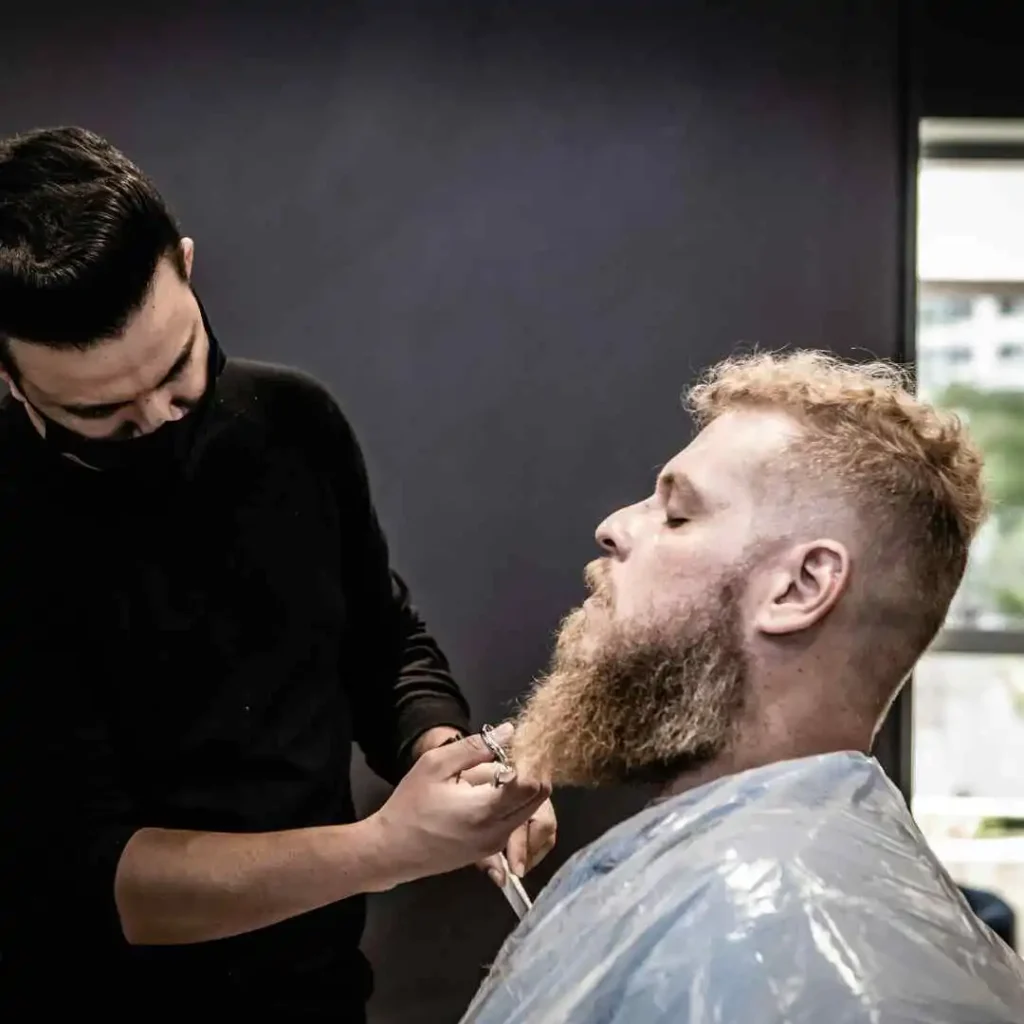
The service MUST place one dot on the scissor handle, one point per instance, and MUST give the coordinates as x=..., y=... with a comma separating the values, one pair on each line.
x=487, y=735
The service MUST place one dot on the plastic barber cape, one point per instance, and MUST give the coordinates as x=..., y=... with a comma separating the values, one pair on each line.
x=799, y=893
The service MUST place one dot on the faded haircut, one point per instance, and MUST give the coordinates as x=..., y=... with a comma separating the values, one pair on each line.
x=910, y=473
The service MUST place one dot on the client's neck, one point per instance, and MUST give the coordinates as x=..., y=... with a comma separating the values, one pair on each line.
x=757, y=747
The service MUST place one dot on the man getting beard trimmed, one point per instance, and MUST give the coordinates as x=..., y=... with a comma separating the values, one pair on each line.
x=749, y=626
x=646, y=704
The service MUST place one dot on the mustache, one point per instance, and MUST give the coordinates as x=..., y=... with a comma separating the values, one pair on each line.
x=597, y=576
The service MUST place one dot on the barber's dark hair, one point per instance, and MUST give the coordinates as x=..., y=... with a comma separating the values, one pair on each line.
x=81, y=232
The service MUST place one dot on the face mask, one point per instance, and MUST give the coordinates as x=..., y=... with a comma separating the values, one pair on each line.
x=165, y=448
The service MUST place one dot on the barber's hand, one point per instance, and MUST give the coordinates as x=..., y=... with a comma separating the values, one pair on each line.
x=432, y=824
x=527, y=846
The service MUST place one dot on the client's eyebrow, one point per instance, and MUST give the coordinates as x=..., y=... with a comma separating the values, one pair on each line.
x=679, y=486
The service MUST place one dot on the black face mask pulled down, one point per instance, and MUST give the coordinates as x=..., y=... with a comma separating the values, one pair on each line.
x=165, y=449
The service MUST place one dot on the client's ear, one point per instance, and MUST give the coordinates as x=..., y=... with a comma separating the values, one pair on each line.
x=804, y=587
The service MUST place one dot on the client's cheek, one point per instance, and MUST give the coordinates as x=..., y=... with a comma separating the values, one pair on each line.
x=638, y=611
x=626, y=606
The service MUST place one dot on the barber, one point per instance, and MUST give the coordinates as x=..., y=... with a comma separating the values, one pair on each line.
x=200, y=617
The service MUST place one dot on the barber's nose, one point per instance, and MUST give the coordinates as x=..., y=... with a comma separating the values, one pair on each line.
x=153, y=412
x=613, y=535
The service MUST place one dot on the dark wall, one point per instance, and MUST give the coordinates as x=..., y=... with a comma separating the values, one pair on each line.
x=507, y=234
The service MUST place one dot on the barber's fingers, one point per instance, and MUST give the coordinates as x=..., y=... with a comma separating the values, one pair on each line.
x=513, y=791
x=481, y=775
x=514, y=800
x=531, y=843
x=517, y=852
x=494, y=868
x=449, y=760
x=509, y=798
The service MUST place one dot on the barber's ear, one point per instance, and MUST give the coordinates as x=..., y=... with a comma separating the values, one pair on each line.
x=804, y=587
x=11, y=386
x=188, y=255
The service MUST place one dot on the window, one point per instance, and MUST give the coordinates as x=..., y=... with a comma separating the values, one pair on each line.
x=937, y=308
x=1010, y=351
x=968, y=756
x=969, y=767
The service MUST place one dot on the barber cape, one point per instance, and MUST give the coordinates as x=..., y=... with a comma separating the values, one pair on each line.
x=802, y=893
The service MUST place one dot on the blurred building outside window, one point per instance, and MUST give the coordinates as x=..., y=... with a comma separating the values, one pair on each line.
x=968, y=702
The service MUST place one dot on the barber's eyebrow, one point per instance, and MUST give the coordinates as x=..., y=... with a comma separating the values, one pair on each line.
x=108, y=408
x=676, y=484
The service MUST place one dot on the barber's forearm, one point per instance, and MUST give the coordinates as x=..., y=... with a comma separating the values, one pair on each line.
x=176, y=887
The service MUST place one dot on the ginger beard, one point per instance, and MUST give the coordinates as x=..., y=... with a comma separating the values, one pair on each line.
x=625, y=702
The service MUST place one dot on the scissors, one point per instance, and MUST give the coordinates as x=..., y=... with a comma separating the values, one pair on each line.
x=513, y=889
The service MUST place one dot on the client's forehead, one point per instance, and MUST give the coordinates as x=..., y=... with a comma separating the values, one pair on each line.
x=734, y=452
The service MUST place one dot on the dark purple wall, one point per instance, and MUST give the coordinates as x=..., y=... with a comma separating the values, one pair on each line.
x=507, y=234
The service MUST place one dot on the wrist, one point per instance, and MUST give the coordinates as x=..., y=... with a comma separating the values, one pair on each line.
x=386, y=866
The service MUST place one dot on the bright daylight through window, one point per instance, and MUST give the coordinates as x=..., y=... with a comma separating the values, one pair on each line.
x=969, y=690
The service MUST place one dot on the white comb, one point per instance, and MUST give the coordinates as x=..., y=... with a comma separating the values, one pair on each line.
x=514, y=891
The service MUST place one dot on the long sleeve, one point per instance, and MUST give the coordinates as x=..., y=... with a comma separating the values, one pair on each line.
x=400, y=684
x=65, y=812
x=426, y=694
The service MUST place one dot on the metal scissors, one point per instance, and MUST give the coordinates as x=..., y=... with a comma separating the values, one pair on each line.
x=513, y=889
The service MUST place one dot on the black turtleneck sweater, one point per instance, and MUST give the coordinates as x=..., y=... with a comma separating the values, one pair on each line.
x=196, y=647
